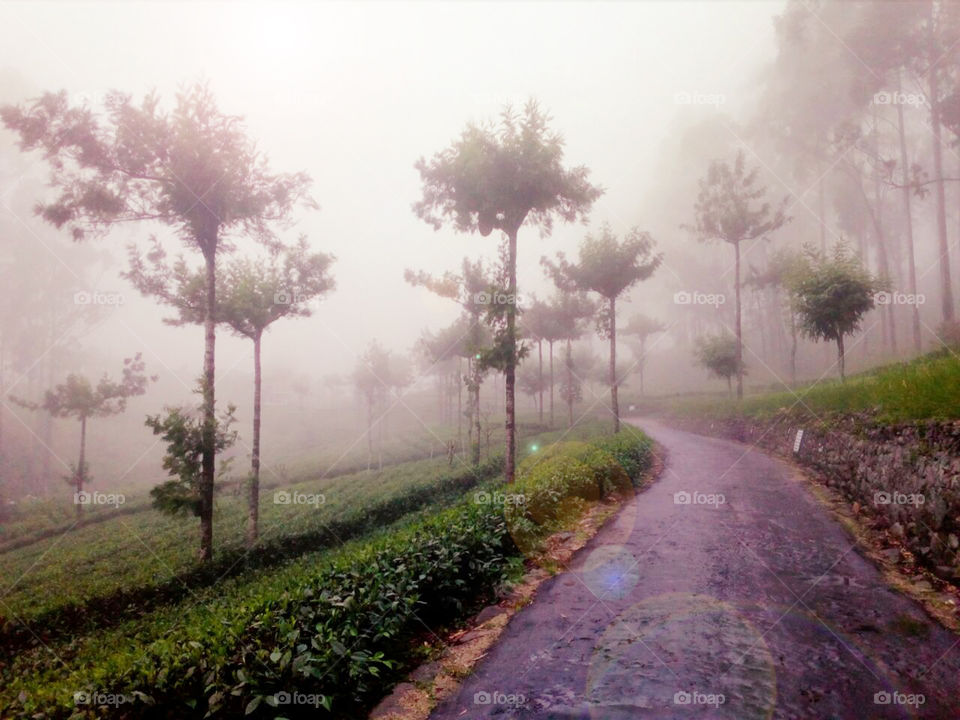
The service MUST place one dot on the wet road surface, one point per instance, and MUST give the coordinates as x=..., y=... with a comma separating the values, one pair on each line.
x=723, y=591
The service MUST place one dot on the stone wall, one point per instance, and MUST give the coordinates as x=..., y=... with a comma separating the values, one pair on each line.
x=905, y=477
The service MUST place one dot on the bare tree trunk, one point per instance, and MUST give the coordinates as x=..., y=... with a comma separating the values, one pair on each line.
x=946, y=287
x=253, y=498
x=476, y=452
x=540, y=374
x=643, y=359
x=550, y=343
x=569, y=364
x=208, y=459
x=459, y=402
x=370, y=401
x=908, y=220
x=793, y=346
x=841, y=359
x=510, y=376
x=736, y=249
x=891, y=332
x=614, y=405
x=81, y=467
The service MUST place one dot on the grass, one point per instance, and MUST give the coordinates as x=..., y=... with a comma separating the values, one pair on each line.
x=927, y=387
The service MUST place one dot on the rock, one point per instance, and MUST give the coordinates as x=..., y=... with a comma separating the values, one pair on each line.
x=426, y=672
x=923, y=585
x=896, y=530
x=392, y=705
x=488, y=613
x=953, y=541
x=892, y=554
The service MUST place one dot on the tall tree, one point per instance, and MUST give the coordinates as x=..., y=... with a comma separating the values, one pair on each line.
x=608, y=267
x=500, y=177
x=79, y=399
x=730, y=208
x=193, y=169
x=642, y=327
x=252, y=294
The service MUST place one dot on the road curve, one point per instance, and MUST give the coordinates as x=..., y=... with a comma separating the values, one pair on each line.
x=748, y=601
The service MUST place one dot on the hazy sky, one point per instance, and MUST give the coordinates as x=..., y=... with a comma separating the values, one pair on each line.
x=355, y=93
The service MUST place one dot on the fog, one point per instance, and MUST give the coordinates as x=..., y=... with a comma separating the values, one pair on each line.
x=644, y=94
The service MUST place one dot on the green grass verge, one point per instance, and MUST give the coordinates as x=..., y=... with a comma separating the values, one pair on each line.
x=925, y=388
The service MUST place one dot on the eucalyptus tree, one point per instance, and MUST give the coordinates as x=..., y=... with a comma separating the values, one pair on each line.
x=252, y=294
x=642, y=327
x=193, y=169
x=79, y=399
x=500, y=177
x=608, y=267
x=730, y=208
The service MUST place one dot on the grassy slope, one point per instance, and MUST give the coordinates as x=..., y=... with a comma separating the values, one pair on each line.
x=925, y=388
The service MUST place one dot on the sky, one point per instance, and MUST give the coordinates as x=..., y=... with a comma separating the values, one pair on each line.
x=355, y=93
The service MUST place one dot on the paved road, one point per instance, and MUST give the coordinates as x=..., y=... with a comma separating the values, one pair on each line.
x=749, y=605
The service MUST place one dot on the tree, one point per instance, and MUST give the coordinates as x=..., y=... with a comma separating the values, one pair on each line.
x=469, y=289
x=833, y=296
x=500, y=177
x=571, y=311
x=77, y=398
x=608, y=267
x=719, y=355
x=642, y=327
x=540, y=322
x=251, y=296
x=378, y=372
x=784, y=270
x=193, y=169
x=184, y=432
x=730, y=208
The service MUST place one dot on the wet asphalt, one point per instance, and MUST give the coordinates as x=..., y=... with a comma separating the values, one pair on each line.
x=725, y=590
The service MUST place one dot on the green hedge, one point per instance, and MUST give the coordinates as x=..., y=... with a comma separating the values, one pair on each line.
x=336, y=634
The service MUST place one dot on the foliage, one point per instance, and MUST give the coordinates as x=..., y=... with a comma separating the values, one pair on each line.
x=183, y=433
x=497, y=177
x=834, y=294
x=718, y=354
